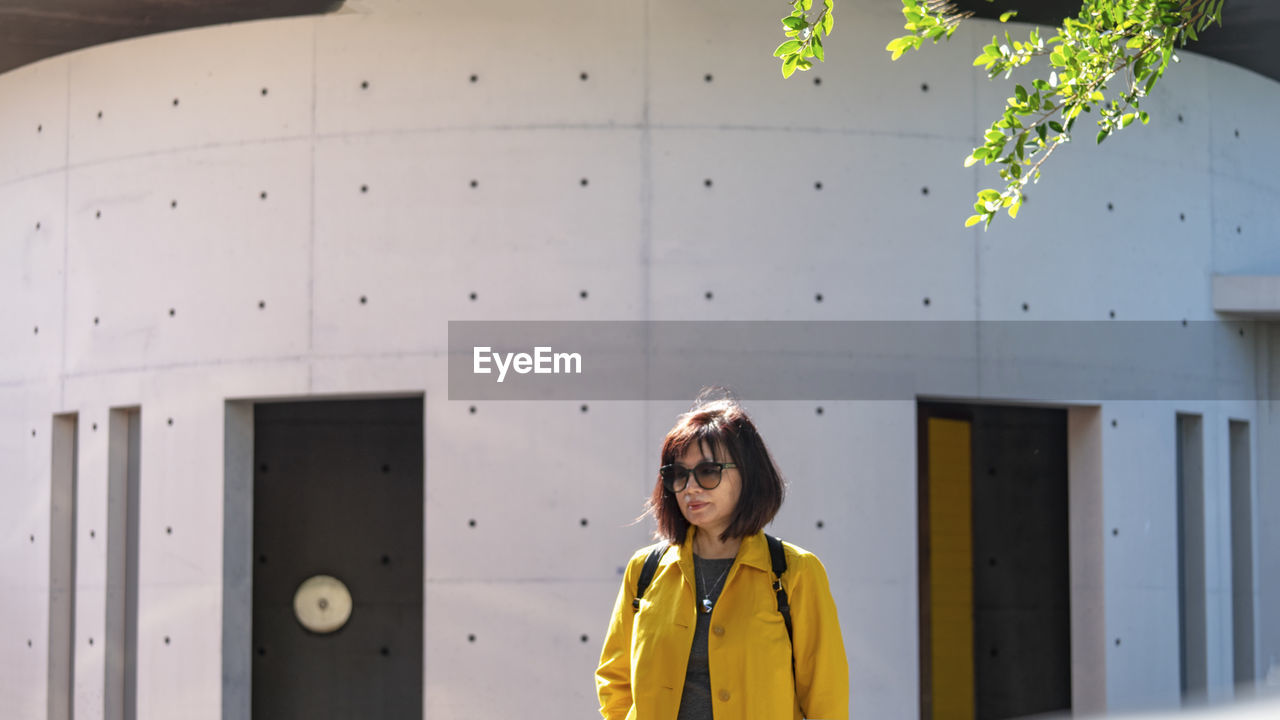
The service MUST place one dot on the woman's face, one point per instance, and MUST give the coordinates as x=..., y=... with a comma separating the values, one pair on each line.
x=710, y=510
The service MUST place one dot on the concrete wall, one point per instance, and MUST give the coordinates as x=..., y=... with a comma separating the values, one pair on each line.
x=296, y=208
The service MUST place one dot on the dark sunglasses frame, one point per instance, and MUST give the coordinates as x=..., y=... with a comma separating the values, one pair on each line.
x=678, y=475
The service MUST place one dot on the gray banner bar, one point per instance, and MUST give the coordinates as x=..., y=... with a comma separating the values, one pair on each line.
x=1068, y=362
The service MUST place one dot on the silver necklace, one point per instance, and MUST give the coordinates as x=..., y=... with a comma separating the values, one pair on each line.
x=709, y=590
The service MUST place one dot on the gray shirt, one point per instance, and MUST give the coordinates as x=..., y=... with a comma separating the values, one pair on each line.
x=695, y=701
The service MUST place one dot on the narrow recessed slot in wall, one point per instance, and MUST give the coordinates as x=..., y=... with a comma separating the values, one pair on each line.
x=1242, y=618
x=62, y=566
x=124, y=443
x=1192, y=645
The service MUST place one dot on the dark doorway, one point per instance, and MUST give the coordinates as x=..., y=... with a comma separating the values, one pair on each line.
x=338, y=492
x=995, y=614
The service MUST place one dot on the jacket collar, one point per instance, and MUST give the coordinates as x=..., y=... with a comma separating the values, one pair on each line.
x=754, y=551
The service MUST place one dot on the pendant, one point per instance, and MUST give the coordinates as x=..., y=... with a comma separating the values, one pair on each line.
x=706, y=605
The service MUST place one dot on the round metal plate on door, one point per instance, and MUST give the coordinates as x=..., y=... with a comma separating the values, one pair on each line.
x=322, y=604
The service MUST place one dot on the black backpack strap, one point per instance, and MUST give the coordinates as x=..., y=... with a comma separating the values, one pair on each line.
x=647, y=572
x=779, y=559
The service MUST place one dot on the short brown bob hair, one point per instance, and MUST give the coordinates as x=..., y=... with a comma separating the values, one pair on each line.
x=722, y=426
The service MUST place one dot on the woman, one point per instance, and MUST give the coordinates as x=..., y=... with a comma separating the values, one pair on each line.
x=707, y=639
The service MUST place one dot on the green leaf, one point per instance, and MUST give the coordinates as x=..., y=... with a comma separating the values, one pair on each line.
x=789, y=65
x=795, y=23
x=787, y=47
x=828, y=22
x=817, y=47
x=973, y=220
x=1004, y=16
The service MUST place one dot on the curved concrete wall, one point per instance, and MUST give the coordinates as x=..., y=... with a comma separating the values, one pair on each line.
x=296, y=208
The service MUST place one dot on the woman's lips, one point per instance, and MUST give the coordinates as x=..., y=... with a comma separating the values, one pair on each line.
x=697, y=505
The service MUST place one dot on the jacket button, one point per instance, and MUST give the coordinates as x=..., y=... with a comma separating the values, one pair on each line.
x=719, y=630
x=724, y=695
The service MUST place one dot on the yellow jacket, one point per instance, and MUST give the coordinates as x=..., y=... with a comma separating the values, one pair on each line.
x=642, y=665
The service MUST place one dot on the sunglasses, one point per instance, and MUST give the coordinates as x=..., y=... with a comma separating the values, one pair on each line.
x=676, y=477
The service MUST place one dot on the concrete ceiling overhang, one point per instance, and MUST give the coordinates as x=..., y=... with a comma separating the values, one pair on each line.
x=1248, y=36
x=32, y=30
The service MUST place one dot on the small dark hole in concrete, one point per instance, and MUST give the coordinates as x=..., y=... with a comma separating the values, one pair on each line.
x=262, y=559
x=264, y=91
x=1113, y=313
x=1025, y=307
x=817, y=297
x=172, y=312
x=473, y=296
x=168, y=531
x=926, y=302
x=473, y=409
x=707, y=77
x=386, y=559
x=818, y=410
x=364, y=300
x=471, y=638
x=924, y=87
x=364, y=188
x=1114, y=423
x=471, y=523
x=385, y=651
x=262, y=304
x=364, y=85
x=583, y=182
x=166, y=639
x=709, y=295
x=583, y=522
x=386, y=469
x=475, y=183
x=820, y=524
x=582, y=294
x=175, y=102
x=262, y=195
x=475, y=78
x=584, y=408
x=582, y=77
x=584, y=637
